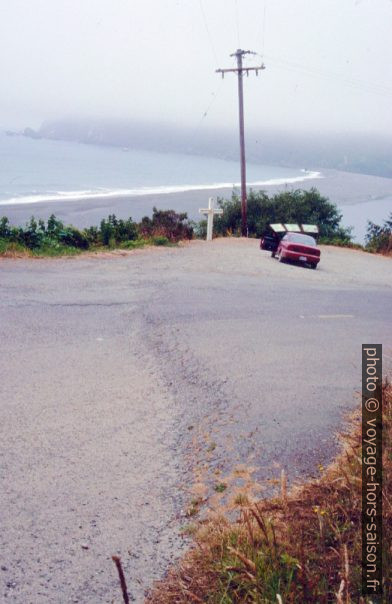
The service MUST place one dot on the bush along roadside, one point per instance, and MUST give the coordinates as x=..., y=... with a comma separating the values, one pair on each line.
x=300, y=547
x=298, y=206
x=167, y=227
x=379, y=237
x=53, y=238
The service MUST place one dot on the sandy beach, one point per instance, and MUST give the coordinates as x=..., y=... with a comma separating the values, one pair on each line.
x=343, y=188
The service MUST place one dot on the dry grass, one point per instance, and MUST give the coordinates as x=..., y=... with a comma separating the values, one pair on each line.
x=304, y=546
x=13, y=250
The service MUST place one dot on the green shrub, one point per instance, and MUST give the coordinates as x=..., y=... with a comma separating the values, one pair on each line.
x=116, y=230
x=379, y=238
x=33, y=233
x=12, y=248
x=303, y=207
x=200, y=229
x=72, y=237
x=93, y=235
x=160, y=240
x=5, y=228
x=133, y=245
x=54, y=227
x=340, y=242
x=167, y=223
x=56, y=250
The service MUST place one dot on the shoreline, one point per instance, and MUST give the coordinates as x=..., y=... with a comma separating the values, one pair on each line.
x=79, y=195
x=343, y=188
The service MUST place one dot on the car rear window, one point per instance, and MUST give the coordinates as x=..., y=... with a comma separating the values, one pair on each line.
x=299, y=238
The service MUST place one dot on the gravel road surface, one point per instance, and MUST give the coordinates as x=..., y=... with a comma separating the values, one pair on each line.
x=129, y=382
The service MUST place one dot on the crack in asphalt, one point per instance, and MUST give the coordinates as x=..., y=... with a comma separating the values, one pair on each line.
x=35, y=303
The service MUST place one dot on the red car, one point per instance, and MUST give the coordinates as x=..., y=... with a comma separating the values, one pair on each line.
x=300, y=248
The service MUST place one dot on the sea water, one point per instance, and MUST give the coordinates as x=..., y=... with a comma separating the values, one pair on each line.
x=33, y=171
x=358, y=215
x=42, y=170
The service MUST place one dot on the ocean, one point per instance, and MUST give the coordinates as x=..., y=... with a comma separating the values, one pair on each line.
x=83, y=183
x=33, y=171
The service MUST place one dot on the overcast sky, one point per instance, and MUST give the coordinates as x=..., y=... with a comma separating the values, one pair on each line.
x=328, y=62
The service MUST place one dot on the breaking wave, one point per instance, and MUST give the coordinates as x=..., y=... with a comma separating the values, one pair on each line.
x=54, y=196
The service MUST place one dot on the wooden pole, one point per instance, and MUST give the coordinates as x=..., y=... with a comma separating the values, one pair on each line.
x=240, y=71
x=244, y=221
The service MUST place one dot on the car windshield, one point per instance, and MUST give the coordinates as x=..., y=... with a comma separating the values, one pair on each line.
x=299, y=238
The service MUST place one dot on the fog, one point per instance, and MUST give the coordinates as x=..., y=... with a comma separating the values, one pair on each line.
x=328, y=62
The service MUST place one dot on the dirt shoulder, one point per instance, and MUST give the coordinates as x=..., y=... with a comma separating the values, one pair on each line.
x=301, y=546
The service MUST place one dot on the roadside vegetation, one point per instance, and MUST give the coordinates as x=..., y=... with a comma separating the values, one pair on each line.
x=304, y=207
x=167, y=227
x=304, y=546
x=298, y=206
x=53, y=238
x=379, y=237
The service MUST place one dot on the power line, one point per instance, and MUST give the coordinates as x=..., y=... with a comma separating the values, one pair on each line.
x=263, y=28
x=203, y=116
x=211, y=103
x=370, y=87
x=208, y=30
x=237, y=21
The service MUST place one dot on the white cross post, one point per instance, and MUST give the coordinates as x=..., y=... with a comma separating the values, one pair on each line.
x=209, y=212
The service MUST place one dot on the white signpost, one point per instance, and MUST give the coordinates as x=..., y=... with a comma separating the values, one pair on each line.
x=210, y=212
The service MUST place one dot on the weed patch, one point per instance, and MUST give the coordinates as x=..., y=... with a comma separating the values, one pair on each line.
x=303, y=546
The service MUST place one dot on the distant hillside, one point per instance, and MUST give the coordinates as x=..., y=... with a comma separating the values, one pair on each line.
x=351, y=153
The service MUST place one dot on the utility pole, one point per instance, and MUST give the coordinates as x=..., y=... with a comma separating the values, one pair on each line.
x=240, y=71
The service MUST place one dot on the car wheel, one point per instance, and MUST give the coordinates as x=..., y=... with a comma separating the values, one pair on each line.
x=313, y=265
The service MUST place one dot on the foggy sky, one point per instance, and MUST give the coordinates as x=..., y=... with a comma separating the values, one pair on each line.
x=328, y=62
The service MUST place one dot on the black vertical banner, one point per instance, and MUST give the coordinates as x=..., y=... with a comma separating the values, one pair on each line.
x=372, y=469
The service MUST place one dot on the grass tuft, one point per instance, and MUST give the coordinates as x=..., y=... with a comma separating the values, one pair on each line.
x=220, y=487
x=302, y=546
x=10, y=249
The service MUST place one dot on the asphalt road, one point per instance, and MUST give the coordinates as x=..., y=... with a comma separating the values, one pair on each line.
x=130, y=382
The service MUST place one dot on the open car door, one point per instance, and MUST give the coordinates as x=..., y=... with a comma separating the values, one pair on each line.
x=272, y=237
